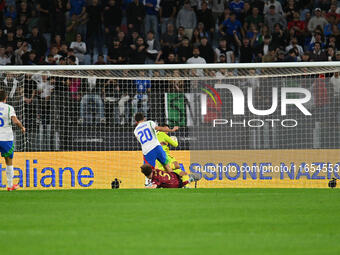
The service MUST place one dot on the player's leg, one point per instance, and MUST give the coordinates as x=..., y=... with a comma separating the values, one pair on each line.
x=7, y=151
x=162, y=157
x=150, y=159
x=177, y=169
x=9, y=172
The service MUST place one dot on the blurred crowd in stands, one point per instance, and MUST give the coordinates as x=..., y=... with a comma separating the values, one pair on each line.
x=49, y=32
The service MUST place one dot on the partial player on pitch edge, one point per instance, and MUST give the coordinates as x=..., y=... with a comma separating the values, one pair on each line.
x=7, y=116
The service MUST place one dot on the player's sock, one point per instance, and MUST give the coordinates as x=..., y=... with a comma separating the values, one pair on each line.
x=9, y=175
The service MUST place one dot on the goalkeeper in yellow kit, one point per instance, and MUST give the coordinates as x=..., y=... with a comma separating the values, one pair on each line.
x=165, y=141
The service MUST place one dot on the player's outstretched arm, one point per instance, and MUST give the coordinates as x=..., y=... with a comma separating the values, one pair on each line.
x=166, y=129
x=18, y=123
x=170, y=140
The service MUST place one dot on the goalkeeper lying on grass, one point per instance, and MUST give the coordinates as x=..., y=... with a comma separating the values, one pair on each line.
x=162, y=179
x=165, y=141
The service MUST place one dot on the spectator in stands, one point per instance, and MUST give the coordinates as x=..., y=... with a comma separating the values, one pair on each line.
x=206, y=51
x=245, y=49
x=54, y=53
x=327, y=29
x=153, y=48
x=236, y=6
x=72, y=60
x=273, y=18
x=318, y=38
x=291, y=56
x=63, y=50
x=171, y=59
x=91, y=103
x=176, y=85
x=224, y=49
x=186, y=18
x=169, y=37
x=255, y=18
x=205, y=17
x=62, y=61
x=196, y=58
x=262, y=49
x=19, y=34
x=196, y=38
x=32, y=58
x=10, y=53
x=111, y=95
x=132, y=39
x=45, y=89
x=114, y=52
x=10, y=40
x=43, y=7
x=32, y=20
x=70, y=53
x=112, y=18
x=332, y=42
x=167, y=14
x=270, y=56
x=290, y=9
x=100, y=60
x=122, y=40
x=151, y=17
x=123, y=102
x=217, y=8
x=135, y=14
x=58, y=16
x=49, y=60
x=297, y=24
x=333, y=11
x=330, y=54
x=57, y=41
x=21, y=53
x=79, y=48
x=71, y=29
x=9, y=26
x=138, y=52
x=337, y=56
x=23, y=9
x=94, y=28
x=179, y=37
x=316, y=20
x=140, y=100
x=38, y=42
x=305, y=57
x=184, y=51
x=277, y=7
x=203, y=33
x=335, y=82
x=318, y=54
x=78, y=8
x=229, y=27
x=294, y=44
x=4, y=60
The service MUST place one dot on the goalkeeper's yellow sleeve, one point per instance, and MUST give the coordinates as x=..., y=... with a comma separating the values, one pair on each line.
x=164, y=137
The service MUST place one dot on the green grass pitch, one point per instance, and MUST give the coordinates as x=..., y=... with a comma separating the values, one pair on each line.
x=177, y=221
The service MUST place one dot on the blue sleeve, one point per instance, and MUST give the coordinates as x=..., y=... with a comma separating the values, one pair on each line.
x=148, y=84
x=239, y=24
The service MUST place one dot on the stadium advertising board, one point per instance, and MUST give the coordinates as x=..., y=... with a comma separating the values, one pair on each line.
x=250, y=168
